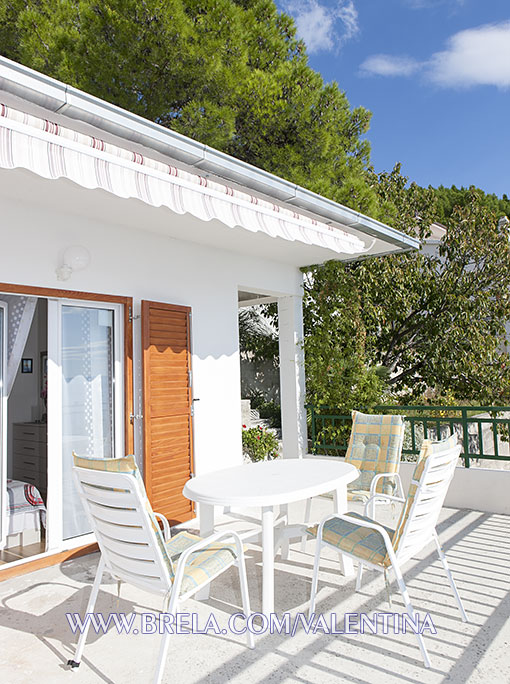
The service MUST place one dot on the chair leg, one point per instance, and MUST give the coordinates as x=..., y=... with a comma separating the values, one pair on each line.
x=245, y=595
x=315, y=577
x=165, y=641
x=388, y=588
x=442, y=556
x=360, y=575
x=403, y=590
x=308, y=515
x=90, y=609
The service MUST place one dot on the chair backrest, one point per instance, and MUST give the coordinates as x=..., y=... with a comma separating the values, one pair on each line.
x=127, y=532
x=431, y=478
x=375, y=446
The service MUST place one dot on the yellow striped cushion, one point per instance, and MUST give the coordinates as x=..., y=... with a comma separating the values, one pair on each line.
x=126, y=464
x=202, y=564
x=362, y=542
x=375, y=446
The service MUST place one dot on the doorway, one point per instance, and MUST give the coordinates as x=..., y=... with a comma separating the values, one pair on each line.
x=62, y=380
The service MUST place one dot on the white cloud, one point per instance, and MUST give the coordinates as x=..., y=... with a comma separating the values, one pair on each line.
x=387, y=65
x=428, y=4
x=479, y=56
x=324, y=28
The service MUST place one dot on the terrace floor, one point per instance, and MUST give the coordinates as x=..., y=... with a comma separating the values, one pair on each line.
x=36, y=641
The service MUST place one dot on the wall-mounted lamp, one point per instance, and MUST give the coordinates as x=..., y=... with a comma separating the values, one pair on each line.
x=75, y=258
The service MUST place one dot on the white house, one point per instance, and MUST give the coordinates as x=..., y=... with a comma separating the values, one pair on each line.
x=125, y=250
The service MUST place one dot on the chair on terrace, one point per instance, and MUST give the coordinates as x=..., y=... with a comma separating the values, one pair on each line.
x=375, y=448
x=134, y=550
x=381, y=548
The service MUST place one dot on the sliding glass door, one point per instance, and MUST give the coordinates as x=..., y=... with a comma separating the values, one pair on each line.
x=87, y=376
x=3, y=426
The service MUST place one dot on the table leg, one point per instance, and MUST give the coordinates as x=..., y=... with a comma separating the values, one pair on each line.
x=267, y=560
x=284, y=512
x=340, y=506
x=206, y=513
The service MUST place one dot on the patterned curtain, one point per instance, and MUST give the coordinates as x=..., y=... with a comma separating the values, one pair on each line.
x=20, y=314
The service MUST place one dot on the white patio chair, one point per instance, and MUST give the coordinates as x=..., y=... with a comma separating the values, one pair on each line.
x=375, y=448
x=379, y=547
x=134, y=550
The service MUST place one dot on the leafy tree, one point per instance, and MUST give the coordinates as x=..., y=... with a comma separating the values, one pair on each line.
x=436, y=318
x=449, y=198
x=336, y=371
x=258, y=333
x=228, y=73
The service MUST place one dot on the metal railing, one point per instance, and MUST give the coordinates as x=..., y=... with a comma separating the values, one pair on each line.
x=481, y=436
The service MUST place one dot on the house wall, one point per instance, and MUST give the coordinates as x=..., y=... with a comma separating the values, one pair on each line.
x=41, y=218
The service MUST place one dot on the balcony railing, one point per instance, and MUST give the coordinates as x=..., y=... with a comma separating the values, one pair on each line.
x=482, y=436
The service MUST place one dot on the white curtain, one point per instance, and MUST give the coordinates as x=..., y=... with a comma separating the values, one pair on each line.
x=20, y=314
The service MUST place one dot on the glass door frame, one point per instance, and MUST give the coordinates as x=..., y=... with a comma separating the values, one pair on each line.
x=60, y=550
x=54, y=539
x=3, y=426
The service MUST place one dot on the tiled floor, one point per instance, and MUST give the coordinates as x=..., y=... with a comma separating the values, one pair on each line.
x=36, y=641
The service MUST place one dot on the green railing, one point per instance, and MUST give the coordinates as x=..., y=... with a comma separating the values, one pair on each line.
x=481, y=437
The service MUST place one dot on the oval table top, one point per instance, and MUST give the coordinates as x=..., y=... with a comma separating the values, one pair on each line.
x=269, y=483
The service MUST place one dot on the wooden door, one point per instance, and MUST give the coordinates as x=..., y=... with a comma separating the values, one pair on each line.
x=167, y=407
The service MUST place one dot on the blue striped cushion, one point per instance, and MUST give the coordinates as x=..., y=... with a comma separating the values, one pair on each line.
x=362, y=542
x=202, y=564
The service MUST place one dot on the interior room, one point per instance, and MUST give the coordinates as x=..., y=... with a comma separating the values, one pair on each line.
x=25, y=423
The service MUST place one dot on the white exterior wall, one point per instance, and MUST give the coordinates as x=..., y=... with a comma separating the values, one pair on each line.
x=477, y=489
x=145, y=265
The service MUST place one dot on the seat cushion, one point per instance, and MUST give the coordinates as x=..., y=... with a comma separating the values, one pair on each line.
x=361, y=542
x=374, y=447
x=202, y=564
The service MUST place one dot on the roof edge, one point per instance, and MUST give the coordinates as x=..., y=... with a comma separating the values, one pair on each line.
x=56, y=96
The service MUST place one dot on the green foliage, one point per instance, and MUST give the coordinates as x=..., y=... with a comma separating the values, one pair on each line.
x=435, y=318
x=228, y=73
x=271, y=411
x=449, y=198
x=258, y=333
x=259, y=444
x=429, y=322
x=336, y=371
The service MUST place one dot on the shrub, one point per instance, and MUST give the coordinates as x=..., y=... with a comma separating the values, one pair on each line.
x=259, y=444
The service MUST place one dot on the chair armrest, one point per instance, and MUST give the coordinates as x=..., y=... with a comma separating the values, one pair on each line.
x=380, y=476
x=362, y=523
x=384, y=497
x=183, y=558
x=166, y=527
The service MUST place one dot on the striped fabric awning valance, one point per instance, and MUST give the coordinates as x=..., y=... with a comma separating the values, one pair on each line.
x=54, y=151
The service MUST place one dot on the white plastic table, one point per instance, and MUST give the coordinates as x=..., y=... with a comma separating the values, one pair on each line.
x=268, y=484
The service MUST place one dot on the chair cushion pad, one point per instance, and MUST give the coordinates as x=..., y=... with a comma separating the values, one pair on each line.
x=202, y=564
x=361, y=542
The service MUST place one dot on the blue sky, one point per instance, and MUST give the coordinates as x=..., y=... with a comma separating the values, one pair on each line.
x=434, y=73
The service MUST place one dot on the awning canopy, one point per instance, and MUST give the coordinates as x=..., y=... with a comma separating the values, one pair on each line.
x=54, y=151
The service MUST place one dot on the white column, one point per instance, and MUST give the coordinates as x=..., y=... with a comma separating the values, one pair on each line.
x=292, y=376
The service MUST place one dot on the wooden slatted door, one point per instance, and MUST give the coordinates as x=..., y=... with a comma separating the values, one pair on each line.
x=168, y=443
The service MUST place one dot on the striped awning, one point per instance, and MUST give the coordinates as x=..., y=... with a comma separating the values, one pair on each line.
x=54, y=151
